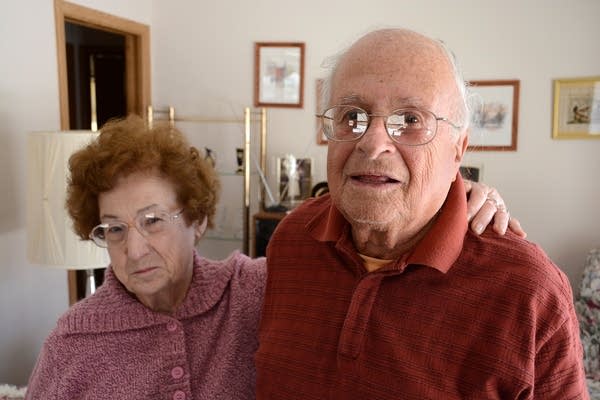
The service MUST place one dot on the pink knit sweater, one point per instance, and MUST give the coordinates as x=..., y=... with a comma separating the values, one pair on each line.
x=110, y=346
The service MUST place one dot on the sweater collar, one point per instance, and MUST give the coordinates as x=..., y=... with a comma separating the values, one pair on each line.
x=438, y=249
x=113, y=308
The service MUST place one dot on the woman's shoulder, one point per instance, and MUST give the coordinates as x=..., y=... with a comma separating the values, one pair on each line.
x=237, y=266
x=243, y=261
x=111, y=308
x=238, y=278
x=249, y=274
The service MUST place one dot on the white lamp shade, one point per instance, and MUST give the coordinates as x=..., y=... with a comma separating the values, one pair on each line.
x=50, y=237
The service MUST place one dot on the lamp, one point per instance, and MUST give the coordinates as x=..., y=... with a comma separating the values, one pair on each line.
x=50, y=238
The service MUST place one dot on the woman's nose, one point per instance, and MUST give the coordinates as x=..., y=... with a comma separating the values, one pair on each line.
x=137, y=244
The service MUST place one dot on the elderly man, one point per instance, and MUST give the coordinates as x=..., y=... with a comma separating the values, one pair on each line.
x=379, y=291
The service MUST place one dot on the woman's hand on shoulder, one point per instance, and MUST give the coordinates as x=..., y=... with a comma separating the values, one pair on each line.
x=485, y=206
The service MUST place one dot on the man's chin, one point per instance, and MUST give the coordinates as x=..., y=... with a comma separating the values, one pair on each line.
x=372, y=218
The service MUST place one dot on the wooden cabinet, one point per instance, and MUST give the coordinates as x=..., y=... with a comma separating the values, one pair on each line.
x=263, y=225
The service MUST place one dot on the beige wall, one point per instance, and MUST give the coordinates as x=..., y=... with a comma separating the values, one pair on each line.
x=203, y=62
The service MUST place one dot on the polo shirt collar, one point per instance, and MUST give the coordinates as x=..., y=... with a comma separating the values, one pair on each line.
x=439, y=248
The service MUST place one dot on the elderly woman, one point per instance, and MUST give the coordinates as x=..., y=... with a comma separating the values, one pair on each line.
x=166, y=323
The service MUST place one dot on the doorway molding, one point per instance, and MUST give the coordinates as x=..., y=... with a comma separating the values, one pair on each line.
x=137, y=70
x=137, y=54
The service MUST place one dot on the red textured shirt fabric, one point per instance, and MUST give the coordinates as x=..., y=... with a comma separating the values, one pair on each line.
x=460, y=317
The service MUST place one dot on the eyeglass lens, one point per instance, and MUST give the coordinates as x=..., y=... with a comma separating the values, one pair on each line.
x=409, y=126
x=147, y=223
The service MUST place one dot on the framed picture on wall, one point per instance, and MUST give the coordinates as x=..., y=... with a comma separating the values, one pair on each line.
x=576, y=108
x=321, y=138
x=278, y=74
x=472, y=172
x=495, y=117
x=294, y=178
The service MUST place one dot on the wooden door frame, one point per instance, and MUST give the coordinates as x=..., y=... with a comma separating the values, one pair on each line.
x=137, y=61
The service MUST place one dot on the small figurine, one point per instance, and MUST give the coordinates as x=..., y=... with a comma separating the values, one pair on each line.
x=239, y=153
x=210, y=156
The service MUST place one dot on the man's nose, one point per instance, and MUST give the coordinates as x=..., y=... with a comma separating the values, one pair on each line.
x=376, y=140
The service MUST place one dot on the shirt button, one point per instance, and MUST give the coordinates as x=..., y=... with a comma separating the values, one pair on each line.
x=171, y=326
x=177, y=372
x=179, y=395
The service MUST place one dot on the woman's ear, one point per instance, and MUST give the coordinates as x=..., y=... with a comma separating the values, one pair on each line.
x=201, y=228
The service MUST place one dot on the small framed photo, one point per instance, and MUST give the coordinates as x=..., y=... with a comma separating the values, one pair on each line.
x=472, y=172
x=278, y=74
x=294, y=178
x=495, y=121
x=576, y=108
x=321, y=138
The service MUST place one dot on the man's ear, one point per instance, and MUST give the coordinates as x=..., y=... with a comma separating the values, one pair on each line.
x=461, y=146
x=201, y=228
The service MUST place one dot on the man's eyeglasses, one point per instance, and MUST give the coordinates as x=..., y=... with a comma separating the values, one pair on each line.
x=408, y=126
x=147, y=223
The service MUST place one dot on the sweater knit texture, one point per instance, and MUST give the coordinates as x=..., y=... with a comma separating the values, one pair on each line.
x=110, y=346
x=460, y=316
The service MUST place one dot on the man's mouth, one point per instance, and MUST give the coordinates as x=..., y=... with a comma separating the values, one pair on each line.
x=373, y=179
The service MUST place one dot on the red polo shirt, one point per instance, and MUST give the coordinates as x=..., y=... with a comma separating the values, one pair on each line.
x=460, y=317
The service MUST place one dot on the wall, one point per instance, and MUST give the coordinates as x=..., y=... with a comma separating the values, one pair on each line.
x=203, y=65
x=31, y=297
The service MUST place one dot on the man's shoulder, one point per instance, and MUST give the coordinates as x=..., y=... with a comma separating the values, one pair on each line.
x=508, y=249
x=310, y=207
x=516, y=263
x=299, y=218
x=295, y=232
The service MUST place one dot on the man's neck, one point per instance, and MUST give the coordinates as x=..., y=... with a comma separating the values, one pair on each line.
x=390, y=243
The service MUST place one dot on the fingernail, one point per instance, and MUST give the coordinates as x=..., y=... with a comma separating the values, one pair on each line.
x=478, y=228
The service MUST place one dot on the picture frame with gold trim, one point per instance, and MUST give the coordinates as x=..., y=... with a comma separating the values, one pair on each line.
x=576, y=112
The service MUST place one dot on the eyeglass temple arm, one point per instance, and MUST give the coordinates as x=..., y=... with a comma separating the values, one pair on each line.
x=446, y=120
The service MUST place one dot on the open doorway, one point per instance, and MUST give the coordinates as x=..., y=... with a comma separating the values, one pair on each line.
x=96, y=76
x=101, y=53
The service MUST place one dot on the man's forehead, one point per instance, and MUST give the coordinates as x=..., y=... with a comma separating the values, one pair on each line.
x=394, y=53
x=393, y=60
x=412, y=85
x=360, y=99
x=396, y=41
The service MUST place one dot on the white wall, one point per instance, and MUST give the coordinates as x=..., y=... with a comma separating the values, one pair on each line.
x=203, y=65
x=31, y=297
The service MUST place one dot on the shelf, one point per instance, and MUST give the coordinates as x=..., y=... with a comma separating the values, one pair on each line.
x=225, y=173
x=222, y=237
x=224, y=139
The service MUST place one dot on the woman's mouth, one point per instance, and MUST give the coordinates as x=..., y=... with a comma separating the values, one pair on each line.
x=143, y=271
